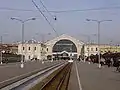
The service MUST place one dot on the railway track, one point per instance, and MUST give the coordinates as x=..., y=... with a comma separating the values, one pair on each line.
x=24, y=82
x=60, y=80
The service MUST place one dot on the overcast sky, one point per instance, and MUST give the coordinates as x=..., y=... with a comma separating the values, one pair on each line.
x=72, y=23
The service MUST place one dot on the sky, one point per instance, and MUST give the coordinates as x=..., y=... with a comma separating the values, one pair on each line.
x=70, y=23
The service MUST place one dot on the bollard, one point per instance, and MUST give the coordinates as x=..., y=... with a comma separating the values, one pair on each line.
x=42, y=62
x=99, y=66
x=88, y=62
x=22, y=65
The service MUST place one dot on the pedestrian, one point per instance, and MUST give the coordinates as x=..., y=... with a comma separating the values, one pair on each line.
x=118, y=68
x=6, y=61
x=108, y=62
x=102, y=61
x=116, y=64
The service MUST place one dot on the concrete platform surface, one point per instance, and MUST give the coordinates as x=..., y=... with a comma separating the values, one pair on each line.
x=90, y=77
x=10, y=71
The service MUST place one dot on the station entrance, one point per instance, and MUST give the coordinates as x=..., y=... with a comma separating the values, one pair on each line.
x=64, y=49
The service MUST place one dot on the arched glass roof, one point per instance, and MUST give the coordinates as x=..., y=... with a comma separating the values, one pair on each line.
x=64, y=45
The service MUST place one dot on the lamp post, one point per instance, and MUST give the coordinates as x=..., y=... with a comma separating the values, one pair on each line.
x=88, y=43
x=98, y=22
x=23, y=22
x=1, y=52
x=43, y=46
x=88, y=49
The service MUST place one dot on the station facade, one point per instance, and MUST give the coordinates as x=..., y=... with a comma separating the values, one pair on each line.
x=62, y=47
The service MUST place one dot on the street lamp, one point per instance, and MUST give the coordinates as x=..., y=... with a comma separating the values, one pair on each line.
x=1, y=52
x=43, y=45
x=98, y=22
x=44, y=40
x=88, y=38
x=87, y=43
x=23, y=22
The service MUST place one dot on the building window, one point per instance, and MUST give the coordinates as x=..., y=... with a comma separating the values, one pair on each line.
x=91, y=49
x=23, y=48
x=96, y=49
x=47, y=49
x=34, y=48
x=29, y=48
x=87, y=49
x=28, y=57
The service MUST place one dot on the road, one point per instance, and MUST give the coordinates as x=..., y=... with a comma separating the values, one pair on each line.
x=12, y=70
x=92, y=78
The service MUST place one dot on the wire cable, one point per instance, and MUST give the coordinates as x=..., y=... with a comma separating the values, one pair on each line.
x=13, y=9
x=46, y=9
x=92, y=9
x=45, y=17
x=62, y=11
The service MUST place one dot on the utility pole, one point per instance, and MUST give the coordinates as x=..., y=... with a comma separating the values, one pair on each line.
x=1, y=51
x=42, y=51
x=99, y=23
x=89, y=49
x=23, y=22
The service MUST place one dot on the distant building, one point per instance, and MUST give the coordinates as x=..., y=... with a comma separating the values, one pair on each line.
x=13, y=48
x=9, y=48
x=31, y=50
x=62, y=47
x=90, y=49
x=110, y=48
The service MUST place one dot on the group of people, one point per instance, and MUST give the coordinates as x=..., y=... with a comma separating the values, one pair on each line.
x=109, y=59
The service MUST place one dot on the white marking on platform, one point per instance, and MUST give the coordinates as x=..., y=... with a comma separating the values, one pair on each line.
x=78, y=77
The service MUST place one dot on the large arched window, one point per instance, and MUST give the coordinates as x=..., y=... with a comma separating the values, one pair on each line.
x=64, y=45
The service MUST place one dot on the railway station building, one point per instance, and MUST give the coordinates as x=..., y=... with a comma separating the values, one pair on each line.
x=62, y=47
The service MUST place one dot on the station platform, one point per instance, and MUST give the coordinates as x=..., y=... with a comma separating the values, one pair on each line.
x=86, y=76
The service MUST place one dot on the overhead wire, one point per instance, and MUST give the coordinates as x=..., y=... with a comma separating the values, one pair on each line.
x=13, y=9
x=45, y=17
x=46, y=9
x=91, y=9
x=62, y=11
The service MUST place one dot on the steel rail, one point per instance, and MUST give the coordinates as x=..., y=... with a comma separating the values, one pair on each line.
x=28, y=75
x=67, y=69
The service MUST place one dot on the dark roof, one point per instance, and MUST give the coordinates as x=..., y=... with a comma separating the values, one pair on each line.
x=32, y=41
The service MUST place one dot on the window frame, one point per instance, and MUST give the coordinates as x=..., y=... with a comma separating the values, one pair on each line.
x=29, y=48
